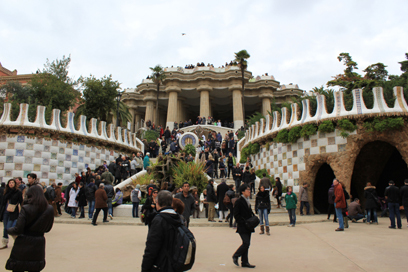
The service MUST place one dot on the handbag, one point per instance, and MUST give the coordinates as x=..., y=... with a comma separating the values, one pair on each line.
x=376, y=199
x=11, y=207
x=252, y=222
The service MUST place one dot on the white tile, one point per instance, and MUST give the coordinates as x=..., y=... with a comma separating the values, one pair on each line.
x=54, y=162
x=9, y=166
x=314, y=150
x=38, y=147
x=29, y=153
x=19, y=159
x=46, y=155
x=322, y=142
x=60, y=170
x=28, y=167
x=20, y=145
x=45, y=168
x=10, y=152
x=331, y=148
x=37, y=161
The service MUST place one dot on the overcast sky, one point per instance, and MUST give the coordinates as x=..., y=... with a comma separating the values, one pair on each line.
x=296, y=41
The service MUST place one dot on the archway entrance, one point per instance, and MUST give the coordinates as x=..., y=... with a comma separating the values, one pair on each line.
x=378, y=162
x=324, y=179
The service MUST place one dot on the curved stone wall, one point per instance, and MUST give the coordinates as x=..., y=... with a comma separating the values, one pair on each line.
x=55, y=152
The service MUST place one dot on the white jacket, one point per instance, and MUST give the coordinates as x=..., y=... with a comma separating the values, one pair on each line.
x=72, y=196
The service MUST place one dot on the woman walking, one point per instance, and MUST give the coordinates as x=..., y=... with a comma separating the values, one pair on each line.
x=263, y=207
x=9, y=209
x=149, y=208
x=36, y=218
x=81, y=198
x=73, y=203
x=291, y=201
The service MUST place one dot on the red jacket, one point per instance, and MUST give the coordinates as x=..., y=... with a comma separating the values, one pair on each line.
x=339, y=199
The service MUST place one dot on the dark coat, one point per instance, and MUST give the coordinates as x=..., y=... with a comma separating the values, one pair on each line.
x=148, y=211
x=262, y=201
x=189, y=204
x=242, y=212
x=211, y=193
x=221, y=190
x=100, y=199
x=369, y=194
x=209, y=167
x=28, y=253
x=237, y=173
x=278, y=187
x=392, y=194
x=90, y=191
x=404, y=195
x=246, y=177
x=112, y=167
x=81, y=197
x=13, y=197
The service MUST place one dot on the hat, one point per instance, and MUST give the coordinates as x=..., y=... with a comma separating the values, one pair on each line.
x=138, y=186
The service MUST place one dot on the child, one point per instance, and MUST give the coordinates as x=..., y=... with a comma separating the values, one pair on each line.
x=291, y=201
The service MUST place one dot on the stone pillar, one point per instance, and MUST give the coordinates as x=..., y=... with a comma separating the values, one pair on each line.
x=138, y=121
x=266, y=105
x=204, y=89
x=132, y=122
x=149, y=111
x=172, y=107
x=237, y=107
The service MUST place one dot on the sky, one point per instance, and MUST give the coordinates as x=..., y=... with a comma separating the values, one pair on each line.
x=296, y=41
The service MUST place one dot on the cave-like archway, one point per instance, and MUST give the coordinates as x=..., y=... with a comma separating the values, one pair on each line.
x=377, y=162
x=323, y=181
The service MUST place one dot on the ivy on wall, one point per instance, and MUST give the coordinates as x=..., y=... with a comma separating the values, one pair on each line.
x=380, y=125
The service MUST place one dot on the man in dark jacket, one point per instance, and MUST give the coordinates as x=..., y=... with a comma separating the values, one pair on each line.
x=90, y=196
x=161, y=234
x=370, y=195
x=112, y=167
x=392, y=196
x=354, y=211
x=230, y=163
x=110, y=192
x=100, y=204
x=222, y=209
x=216, y=157
x=188, y=200
x=404, y=198
x=242, y=212
x=167, y=136
x=211, y=199
x=237, y=176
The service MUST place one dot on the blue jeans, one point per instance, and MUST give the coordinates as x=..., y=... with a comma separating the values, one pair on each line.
x=339, y=213
x=292, y=216
x=73, y=211
x=82, y=210
x=7, y=223
x=263, y=213
x=374, y=212
x=91, y=208
x=394, y=211
x=110, y=209
x=304, y=203
x=135, y=209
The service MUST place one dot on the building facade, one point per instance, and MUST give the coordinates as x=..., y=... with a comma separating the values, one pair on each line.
x=205, y=91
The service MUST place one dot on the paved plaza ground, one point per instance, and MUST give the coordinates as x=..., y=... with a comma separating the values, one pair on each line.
x=307, y=247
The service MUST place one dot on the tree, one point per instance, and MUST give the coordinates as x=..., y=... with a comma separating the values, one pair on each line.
x=158, y=77
x=376, y=72
x=99, y=97
x=241, y=58
x=17, y=94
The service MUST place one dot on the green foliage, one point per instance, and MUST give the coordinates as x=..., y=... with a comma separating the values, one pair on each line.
x=294, y=134
x=308, y=130
x=259, y=173
x=256, y=117
x=282, y=136
x=346, y=126
x=150, y=135
x=158, y=77
x=144, y=179
x=241, y=134
x=245, y=152
x=267, y=145
x=254, y=148
x=383, y=124
x=190, y=149
x=241, y=58
x=19, y=94
x=191, y=172
x=326, y=126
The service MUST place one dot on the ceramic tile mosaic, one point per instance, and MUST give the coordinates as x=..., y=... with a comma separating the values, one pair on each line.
x=307, y=151
x=54, y=143
x=314, y=143
x=67, y=170
x=10, y=146
x=29, y=146
x=47, y=148
x=289, y=161
x=81, y=147
x=87, y=154
x=69, y=145
x=285, y=169
x=75, y=152
x=289, y=148
x=46, y=161
x=342, y=147
x=19, y=152
x=294, y=154
x=284, y=156
x=295, y=167
x=62, y=150
x=9, y=159
x=53, y=168
x=3, y=138
x=322, y=149
x=20, y=139
x=2, y=152
x=28, y=160
x=306, y=138
x=81, y=159
x=53, y=156
x=68, y=157
x=331, y=140
x=37, y=154
x=300, y=145
x=37, y=167
x=2, y=166
x=279, y=150
x=60, y=163
x=8, y=173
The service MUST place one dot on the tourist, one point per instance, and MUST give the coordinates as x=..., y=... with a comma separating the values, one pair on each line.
x=9, y=208
x=110, y=192
x=203, y=202
x=233, y=196
x=263, y=208
x=163, y=146
x=370, y=194
x=20, y=185
x=242, y=212
x=161, y=233
x=118, y=173
x=230, y=163
x=90, y=196
x=81, y=199
x=404, y=198
x=266, y=183
x=111, y=168
x=188, y=200
x=216, y=159
x=304, y=199
x=178, y=207
x=133, y=165
x=222, y=167
x=222, y=189
x=196, y=213
x=291, y=201
x=139, y=159
x=237, y=176
x=50, y=196
x=277, y=191
x=36, y=218
x=392, y=196
x=211, y=199
x=339, y=203
x=32, y=180
x=347, y=197
x=100, y=204
x=354, y=211
x=146, y=161
x=73, y=203
x=209, y=166
x=149, y=208
x=331, y=208
x=118, y=199
x=252, y=178
x=246, y=177
x=58, y=197
x=135, y=197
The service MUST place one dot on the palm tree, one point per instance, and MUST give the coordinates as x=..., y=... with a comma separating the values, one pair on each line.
x=158, y=77
x=241, y=58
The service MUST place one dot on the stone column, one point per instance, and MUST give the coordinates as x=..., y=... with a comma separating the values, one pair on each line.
x=266, y=105
x=172, y=107
x=149, y=111
x=132, y=122
x=237, y=106
x=204, y=90
x=138, y=120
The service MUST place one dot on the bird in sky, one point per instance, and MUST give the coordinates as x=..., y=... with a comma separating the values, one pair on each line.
x=183, y=34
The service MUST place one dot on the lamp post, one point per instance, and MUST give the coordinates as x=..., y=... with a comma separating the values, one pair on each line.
x=118, y=98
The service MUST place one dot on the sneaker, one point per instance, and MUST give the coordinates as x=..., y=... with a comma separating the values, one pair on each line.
x=364, y=220
x=354, y=220
x=290, y=225
x=339, y=229
x=73, y=217
x=111, y=217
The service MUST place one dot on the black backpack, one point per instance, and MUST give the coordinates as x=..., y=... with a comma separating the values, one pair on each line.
x=183, y=248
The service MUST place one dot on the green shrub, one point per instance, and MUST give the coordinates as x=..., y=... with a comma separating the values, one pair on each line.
x=193, y=173
x=254, y=148
x=346, y=126
x=190, y=149
x=326, y=126
x=282, y=136
x=294, y=134
x=308, y=130
x=259, y=173
x=150, y=135
x=380, y=125
x=241, y=134
x=267, y=145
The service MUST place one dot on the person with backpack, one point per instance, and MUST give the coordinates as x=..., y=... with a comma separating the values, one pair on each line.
x=90, y=197
x=135, y=197
x=232, y=198
x=371, y=205
x=169, y=244
x=50, y=196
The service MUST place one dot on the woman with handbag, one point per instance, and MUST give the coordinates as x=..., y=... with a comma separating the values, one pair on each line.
x=9, y=209
x=370, y=194
x=149, y=208
x=36, y=218
x=242, y=213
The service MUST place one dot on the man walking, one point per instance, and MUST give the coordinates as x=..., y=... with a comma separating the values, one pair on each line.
x=110, y=192
x=188, y=200
x=392, y=196
x=304, y=199
x=242, y=212
x=237, y=176
x=161, y=235
x=100, y=204
x=339, y=203
x=211, y=199
x=404, y=198
x=222, y=208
